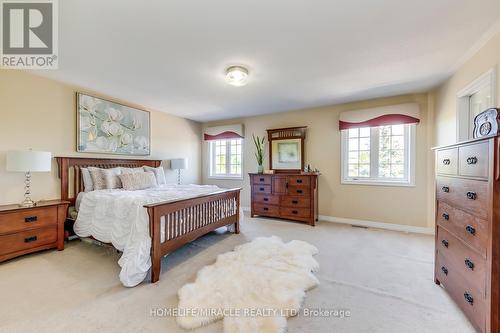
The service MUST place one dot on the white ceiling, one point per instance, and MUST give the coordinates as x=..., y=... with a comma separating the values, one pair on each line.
x=171, y=55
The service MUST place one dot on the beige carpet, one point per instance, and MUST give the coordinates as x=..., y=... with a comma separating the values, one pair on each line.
x=383, y=278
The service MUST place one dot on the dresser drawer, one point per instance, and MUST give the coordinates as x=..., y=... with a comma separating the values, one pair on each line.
x=470, y=265
x=27, y=239
x=267, y=199
x=472, y=230
x=27, y=218
x=466, y=194
x=473, y=160
x=262, y=179
x=261, y=189
x=295, y=212
x=298, y=181
x=447, y=161
x=268, y=210
x=288, y=201
x=468, y=299
x=298, y=190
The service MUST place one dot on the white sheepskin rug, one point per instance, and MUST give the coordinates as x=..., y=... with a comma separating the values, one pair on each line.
x=253, y=288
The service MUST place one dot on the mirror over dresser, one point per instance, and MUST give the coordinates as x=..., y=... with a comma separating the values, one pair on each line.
x=467, y=254
x=288, y=193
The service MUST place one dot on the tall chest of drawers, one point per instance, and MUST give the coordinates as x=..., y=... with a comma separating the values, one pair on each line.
x=467, y=262
x=287, y=196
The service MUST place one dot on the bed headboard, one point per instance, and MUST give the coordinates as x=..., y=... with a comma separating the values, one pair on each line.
x=71, y=176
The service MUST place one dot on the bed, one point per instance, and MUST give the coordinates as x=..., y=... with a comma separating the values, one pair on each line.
x=169, y=223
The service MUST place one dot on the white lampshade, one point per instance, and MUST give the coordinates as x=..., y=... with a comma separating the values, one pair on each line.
x=28, y=160
x=179, y=164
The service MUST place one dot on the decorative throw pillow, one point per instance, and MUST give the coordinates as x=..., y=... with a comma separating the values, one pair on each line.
x=131, y=170
x=138, y=181
x=105, y=178
x=159, y=174
x=88, y=185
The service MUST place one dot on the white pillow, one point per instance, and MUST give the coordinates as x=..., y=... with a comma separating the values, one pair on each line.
x=159, y=174
x=88, y=184
x=138, y=181
x=131, y=170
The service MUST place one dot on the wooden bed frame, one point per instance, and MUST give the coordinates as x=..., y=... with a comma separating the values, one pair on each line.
x=183, y=220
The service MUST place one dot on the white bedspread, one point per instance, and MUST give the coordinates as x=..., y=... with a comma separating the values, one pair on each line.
x=118, y=217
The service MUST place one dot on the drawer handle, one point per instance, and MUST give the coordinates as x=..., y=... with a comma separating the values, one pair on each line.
x=262, y=179
x=299, y=181
x=295, y=202
x=445, y=270
x=445, y=243
x=471, y=195
x=446, y=216
x=472, y=160
x=468, y=297
x=445, y=189
x=266, y=209
x=294, y=212
x=30, y=219
x=266, y=199
x=469, y=264
x=261, y=189
x=299, y=191
x=30, y=239
x=471, y=230
x=446, y=161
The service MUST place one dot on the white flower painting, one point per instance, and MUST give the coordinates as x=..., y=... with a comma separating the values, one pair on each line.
x=107, y=127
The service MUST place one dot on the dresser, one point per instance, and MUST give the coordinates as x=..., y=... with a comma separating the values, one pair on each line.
x=27, y=230
x=467, y=262
x=287, y=196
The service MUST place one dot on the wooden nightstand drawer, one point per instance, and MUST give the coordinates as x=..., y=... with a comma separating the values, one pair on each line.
x=27, y=240
x=27, y=219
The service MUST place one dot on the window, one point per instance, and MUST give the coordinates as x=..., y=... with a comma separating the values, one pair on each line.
x=381, y=155
x=225, y=158
x=472, y=100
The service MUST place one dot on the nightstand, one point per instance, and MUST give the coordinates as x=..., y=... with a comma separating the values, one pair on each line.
x=29, y=229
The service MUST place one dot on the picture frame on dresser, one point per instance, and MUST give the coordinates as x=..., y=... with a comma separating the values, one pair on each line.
x=286, y=149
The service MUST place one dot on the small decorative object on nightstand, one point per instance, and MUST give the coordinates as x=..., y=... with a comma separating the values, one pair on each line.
x=29, y=229
x=178, y=164
x=28, y=161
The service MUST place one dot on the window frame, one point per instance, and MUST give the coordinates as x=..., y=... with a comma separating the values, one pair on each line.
x=211, y=161
x=410, y=150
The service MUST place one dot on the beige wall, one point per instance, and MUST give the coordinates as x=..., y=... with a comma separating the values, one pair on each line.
x=39, y=113
x=399, y=205
x=446, y=96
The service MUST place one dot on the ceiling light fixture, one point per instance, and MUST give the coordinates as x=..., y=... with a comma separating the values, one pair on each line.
x=237, y=76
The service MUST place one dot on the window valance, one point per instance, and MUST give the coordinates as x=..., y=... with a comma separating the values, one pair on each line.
x=223, y=132
x=381, y=116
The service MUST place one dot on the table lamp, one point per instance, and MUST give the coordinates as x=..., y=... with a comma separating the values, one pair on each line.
x=28, y=161
x=178, y=164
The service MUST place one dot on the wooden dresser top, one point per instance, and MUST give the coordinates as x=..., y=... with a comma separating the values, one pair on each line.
x=40, y=204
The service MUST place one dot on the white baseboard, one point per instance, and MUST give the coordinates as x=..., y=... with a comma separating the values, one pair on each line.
x=378, y=225
x=371, y=224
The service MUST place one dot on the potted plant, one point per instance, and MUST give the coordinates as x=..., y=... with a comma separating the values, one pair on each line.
x=259, y=152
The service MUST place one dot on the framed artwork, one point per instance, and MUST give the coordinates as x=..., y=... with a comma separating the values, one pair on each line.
x=288, y=152
x=286, y=149
x=111, y=128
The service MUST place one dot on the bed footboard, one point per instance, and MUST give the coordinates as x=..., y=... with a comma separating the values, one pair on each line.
x=175, y=223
